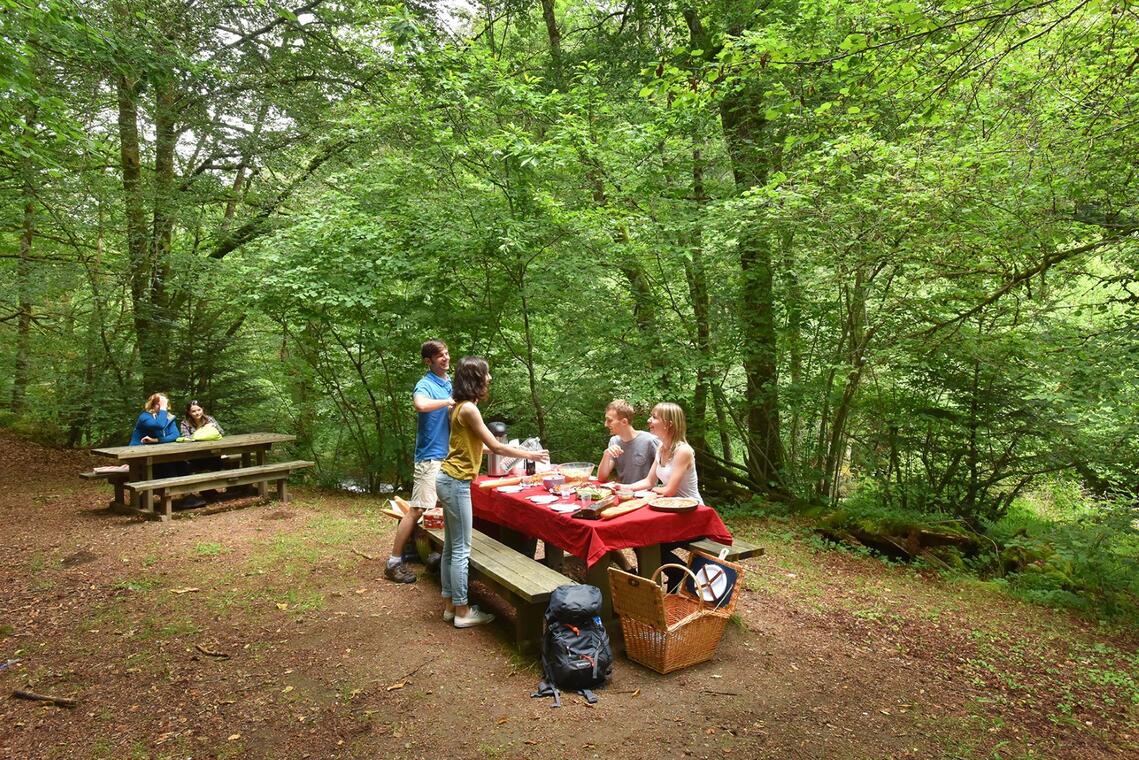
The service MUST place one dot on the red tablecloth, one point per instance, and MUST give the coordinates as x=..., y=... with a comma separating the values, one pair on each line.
x=592, y=539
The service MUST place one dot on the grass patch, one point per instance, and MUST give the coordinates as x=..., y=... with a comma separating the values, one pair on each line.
x=208, y=549
x=138, y=584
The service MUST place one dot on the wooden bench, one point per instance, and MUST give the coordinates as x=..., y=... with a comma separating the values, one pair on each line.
x=523, y=581
x=739, y=549
x=116, y=476
x=167, y=488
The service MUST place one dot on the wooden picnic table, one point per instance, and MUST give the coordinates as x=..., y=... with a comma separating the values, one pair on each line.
x=251, y=447
x=644, y=531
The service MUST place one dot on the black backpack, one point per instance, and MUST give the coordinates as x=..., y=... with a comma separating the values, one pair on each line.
x=576, y=655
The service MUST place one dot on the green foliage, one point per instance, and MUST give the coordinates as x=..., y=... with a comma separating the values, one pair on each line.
x=933, y=214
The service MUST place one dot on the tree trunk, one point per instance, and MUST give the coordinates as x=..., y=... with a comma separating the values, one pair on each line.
x=555, y=42
x=150, y=349
x=794, y=306
x=743, y=126
x=24, y=297
x=698, y=292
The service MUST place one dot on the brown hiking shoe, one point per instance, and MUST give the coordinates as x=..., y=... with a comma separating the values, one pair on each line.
x=399, y=573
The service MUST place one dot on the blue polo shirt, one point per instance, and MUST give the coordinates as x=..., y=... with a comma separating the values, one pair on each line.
x=434, y=428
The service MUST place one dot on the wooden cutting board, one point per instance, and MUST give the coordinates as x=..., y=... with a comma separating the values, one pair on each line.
x=623, y=508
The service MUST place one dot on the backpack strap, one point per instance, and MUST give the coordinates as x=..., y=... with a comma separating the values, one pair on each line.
x=546, y=688
x=590, y=697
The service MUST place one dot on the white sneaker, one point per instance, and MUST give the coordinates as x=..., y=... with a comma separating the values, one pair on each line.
x=474, y=617
x=448, y=616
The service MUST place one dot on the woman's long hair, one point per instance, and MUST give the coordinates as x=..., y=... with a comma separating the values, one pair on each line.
x=190, y=418
x=472, y=379
x=673, y=416
x=152, y=403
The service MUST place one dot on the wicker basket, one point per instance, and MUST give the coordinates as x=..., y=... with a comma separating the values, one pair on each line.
x=666, y=631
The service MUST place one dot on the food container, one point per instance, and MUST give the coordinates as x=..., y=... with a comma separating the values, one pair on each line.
x=576, y=472
x=551, y=482
x=433, y=519
x=497, y=466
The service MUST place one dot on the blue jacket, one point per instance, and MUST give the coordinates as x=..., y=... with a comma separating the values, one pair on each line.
x=163, y=427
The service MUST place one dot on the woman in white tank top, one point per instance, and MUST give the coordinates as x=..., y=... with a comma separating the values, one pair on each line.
x=675, y=465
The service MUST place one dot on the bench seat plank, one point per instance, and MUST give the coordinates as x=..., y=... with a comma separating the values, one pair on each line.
x=525, y=582
x=239, y=476
x=526, y=577
x=738, y=550
x=168, y=488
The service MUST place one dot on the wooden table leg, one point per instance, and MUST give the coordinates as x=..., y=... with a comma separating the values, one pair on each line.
x=598, y=575
x=554, y=557
x=262, y=486
x=120, y=491
x=648, y=559
x=528, y=627
x=519, y=542
x=282, y=490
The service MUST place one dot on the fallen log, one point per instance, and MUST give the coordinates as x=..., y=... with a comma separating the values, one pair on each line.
x=57, y=701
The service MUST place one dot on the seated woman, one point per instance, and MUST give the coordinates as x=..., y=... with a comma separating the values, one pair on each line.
x=157, y=425
x=673, y=472
x=196, y=419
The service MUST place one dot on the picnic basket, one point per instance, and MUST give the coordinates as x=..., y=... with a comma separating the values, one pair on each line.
x=668, y=631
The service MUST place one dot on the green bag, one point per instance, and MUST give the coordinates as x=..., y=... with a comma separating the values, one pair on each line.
x=207, y=433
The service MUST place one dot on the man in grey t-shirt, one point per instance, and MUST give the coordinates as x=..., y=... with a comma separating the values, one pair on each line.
x=631, y=452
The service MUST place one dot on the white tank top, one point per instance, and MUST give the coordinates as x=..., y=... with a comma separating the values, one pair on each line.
x=689, y=484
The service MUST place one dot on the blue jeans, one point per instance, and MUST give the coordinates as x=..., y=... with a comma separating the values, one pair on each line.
x=455, y=497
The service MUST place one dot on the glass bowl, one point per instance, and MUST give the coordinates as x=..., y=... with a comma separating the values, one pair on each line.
x=576, y=472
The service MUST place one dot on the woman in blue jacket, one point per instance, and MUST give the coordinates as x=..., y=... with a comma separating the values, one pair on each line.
x=156, y=424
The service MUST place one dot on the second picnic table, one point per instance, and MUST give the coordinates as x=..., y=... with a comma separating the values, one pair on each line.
x=251, y=447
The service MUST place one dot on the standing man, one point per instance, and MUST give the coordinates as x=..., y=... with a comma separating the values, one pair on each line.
x=631, y=452
x=432, y=401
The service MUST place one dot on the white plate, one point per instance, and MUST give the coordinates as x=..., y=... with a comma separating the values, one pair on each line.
x=644, y=494
x=510, y=489
x=543, y=498
x=564, y=508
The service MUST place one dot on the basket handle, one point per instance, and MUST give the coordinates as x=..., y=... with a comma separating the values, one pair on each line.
x=696, y=584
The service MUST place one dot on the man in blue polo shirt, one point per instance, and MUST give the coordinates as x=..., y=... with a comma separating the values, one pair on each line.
x=432, y=400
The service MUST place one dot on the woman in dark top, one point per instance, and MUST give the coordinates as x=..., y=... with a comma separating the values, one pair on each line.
x=197, y=418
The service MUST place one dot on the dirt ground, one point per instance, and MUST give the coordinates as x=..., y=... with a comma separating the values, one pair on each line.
x=269, y=632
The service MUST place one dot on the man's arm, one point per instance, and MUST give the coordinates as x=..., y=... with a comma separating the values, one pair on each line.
x=427, y=404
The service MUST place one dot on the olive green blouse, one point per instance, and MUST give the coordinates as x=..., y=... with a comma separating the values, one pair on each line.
x=464, y=450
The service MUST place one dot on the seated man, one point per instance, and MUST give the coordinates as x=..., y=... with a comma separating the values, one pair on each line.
x=631, y=452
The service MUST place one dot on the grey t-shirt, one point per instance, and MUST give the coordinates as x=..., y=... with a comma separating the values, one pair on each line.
x=636, y=458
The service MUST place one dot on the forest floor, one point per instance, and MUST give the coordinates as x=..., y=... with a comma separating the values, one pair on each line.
x=267, y=632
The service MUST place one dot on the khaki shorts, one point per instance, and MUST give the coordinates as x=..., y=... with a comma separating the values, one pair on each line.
x=423, y=489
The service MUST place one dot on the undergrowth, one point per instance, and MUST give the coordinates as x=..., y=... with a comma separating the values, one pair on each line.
x=1056, y=546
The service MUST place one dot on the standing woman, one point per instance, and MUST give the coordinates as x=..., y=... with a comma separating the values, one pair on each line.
x=470, y=385
x=675, y=463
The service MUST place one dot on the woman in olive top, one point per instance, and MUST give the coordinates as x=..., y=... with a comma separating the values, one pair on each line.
x=469, y=433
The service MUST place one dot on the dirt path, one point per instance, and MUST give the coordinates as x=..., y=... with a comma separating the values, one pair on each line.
x=831, y=656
